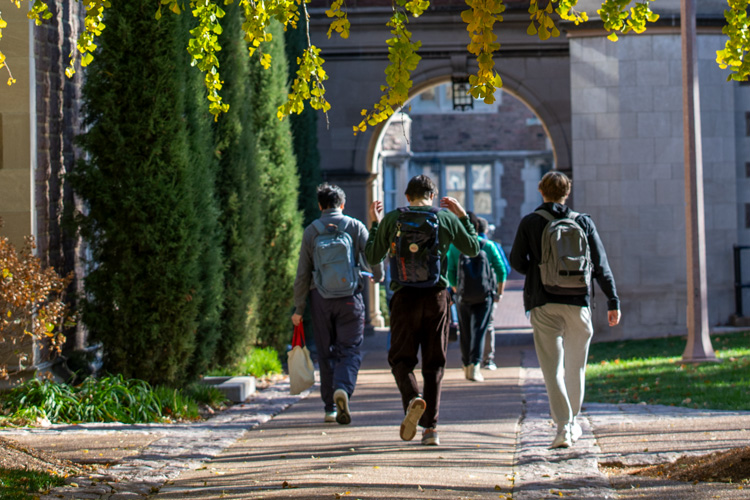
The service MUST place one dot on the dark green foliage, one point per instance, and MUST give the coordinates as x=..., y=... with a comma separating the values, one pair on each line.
x=279, y=183
x=105, y=399
x=209, y=294
x=140, y=221
x=304, y=135
x=238, y=193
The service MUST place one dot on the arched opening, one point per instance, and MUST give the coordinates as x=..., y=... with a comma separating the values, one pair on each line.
x=490, y=157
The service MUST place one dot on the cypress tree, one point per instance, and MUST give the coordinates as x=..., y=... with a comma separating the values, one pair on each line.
x=282, y=228
x=304, y=134
x=140, y=221
x=209, y=294
x=238, y=194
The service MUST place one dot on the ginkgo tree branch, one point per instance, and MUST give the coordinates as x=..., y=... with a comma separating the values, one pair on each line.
x=481, y=18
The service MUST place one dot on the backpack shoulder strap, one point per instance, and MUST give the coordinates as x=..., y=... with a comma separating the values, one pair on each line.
x=573, y=215
x=319, y=227
x=545, y=214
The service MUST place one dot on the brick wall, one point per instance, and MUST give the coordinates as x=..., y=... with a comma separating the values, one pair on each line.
x=506, y=130
x=58, y=122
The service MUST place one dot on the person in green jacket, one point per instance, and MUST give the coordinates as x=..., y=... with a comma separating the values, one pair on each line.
x=420, y=316
x=474, y=316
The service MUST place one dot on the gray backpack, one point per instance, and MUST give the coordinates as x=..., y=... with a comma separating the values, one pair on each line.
x=335, y=273
x=566, y=260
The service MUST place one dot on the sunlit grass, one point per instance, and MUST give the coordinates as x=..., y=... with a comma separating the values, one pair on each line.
x=258, y=363
x=25, y=485
x=650, y=371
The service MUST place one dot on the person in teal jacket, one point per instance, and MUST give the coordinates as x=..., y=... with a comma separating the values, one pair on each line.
x=474, y=318
x=419, y=316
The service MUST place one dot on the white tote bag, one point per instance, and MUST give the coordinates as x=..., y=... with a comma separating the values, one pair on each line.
x=301, y=369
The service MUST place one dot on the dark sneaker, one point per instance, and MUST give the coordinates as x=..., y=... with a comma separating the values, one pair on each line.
x=414, y=412
x=430, y=437
x=341, y=400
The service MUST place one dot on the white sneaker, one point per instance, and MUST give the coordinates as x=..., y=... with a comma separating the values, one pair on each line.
x=490, y=365
x=475, y=373
x=330, y=416
x=414, y=412
x=562, y=439
x=575, y=431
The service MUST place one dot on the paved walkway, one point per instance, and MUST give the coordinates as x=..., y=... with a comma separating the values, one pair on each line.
x=494, y=439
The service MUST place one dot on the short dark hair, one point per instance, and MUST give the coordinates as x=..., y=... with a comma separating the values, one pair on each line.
x=330, y=196
x=473, y=219
x=555, y=185
x=420, y=187
x=483, y=225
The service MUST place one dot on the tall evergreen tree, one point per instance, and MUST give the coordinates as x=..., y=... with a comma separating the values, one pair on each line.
x=238, y=191
x=304, y=134
x=279, y=190
x=209, y=294
x=141, y=223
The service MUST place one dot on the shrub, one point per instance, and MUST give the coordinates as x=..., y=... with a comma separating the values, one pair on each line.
x=32, y=309
x=141, y=221
x=259, y=362
x=105, y=399
x=238, y=194
x=282, y=230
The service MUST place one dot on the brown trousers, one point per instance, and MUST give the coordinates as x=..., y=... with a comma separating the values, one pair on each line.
x=419, y=320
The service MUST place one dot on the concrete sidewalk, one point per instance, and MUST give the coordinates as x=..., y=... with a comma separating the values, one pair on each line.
x=494, y=439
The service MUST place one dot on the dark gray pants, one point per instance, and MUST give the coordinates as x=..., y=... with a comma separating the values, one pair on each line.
x=339, y=326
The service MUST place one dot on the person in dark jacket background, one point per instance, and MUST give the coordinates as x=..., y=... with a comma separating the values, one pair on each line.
x=561, y=323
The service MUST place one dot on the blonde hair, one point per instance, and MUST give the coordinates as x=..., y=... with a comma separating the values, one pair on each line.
x=555, y=185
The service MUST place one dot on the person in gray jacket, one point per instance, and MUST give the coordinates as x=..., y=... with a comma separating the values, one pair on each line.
x=338, y=323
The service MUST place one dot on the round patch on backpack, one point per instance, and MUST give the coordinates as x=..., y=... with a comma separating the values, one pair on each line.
x=413, y=248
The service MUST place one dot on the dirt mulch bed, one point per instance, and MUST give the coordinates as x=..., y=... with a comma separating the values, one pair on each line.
x=15, y=456
x=730, y=466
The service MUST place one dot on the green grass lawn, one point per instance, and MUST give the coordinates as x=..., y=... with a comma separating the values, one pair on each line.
x=650, y=371
x=26, y=485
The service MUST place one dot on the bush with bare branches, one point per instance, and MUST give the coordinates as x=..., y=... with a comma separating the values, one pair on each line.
x=32, y=310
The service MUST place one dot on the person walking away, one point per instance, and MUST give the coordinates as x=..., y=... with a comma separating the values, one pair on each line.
x=329, y=267
x=417, y=239
x=488, y=357
x=475, y=283
x=559, y=251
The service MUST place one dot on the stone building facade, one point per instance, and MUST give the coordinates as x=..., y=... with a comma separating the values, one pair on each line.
x=612, y=113
x=39, y=119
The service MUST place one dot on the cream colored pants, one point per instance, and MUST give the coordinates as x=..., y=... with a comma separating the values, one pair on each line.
x=562, y=334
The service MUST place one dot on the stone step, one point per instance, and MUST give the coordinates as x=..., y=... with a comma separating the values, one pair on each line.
x=236, y=389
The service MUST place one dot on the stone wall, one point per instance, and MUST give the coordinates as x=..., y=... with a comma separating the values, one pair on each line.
x=626, y=100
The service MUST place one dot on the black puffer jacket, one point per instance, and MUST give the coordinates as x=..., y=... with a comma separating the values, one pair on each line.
x=527, y=253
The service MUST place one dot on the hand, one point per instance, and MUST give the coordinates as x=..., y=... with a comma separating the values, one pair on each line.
x=613, y=317
x=453, y=205
x=376, y=211
x=498, y=297
x=296, y=319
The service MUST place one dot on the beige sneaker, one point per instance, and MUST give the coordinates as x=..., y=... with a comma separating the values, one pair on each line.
x=341, y=399
x=467, y=372
x=414, y=412
x=475, y=373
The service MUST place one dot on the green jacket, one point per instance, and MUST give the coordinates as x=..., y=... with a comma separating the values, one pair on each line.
x=493, y=255
x=459, y=232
